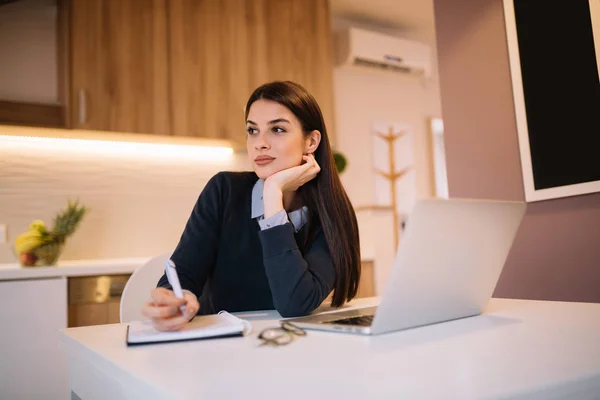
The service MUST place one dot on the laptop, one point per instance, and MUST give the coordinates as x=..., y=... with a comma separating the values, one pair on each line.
x=446, y=267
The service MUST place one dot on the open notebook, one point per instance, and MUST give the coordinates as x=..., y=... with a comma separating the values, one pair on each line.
x=218, y=325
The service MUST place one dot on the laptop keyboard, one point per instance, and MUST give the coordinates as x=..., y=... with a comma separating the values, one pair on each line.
x=365, y=320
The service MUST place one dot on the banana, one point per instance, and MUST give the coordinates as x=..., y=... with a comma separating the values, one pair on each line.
x=28, y=241
x=38, y=225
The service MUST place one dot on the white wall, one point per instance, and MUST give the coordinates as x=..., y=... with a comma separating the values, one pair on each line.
x=362, y=97
x=139, y=205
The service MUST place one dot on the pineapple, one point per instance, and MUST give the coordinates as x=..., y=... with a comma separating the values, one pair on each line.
x=65, y=223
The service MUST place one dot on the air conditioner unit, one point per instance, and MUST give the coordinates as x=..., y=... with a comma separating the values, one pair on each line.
x=355, y=46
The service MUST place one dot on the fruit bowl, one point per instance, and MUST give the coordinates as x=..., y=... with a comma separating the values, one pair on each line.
x=42, y=246
x=46, y=254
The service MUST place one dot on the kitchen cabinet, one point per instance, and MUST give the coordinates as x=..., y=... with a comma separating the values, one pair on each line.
x=86, y=64
x=187, y=67
x=32, y=63
x=35, y=303
x=118, y=69
x=33, y=365
x=220, y=51
x=95, y=300
x=183, y=67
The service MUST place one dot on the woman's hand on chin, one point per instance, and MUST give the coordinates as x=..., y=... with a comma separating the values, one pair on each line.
x=291, y=179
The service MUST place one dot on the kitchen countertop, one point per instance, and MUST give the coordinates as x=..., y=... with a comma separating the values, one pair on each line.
x=72, y=268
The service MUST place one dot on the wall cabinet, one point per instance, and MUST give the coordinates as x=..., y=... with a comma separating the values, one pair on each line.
x=221, y=51
x=32, y=90
x=186, y=67
x=119, y=63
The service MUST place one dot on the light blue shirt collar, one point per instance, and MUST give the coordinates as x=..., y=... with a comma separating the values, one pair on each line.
x=258, y=207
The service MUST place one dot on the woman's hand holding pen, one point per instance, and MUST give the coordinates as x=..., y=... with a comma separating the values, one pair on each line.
x=164, y=309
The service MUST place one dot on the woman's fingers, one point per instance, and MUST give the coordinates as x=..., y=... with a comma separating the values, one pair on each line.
x=160, y=294
x=311, y=167
x=152, y=310
x=306, y=172
x=313, y=162
x=165, y=297
x=192, y=306
x=170, y=324
x=316, y=166
x=294, y=177
x=164, y=309
x=309, y=162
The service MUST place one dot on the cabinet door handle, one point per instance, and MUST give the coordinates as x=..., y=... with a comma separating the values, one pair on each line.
x=82, y=106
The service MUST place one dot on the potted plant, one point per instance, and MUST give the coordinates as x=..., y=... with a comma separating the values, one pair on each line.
x=340, y=161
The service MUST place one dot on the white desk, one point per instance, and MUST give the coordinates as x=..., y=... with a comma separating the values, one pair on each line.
x=517, y=350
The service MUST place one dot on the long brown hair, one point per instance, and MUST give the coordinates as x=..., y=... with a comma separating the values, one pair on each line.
x=324, y=196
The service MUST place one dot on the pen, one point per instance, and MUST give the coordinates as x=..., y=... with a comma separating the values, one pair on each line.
x=171, y=272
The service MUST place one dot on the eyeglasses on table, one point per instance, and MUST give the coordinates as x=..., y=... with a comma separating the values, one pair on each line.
x=280, y=336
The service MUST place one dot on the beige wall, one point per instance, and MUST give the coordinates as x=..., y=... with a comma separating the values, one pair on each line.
x=363, y=96
x=556, y=254
x=139, y=205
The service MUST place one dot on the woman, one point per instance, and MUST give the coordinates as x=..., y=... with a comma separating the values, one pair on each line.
x=283, y=236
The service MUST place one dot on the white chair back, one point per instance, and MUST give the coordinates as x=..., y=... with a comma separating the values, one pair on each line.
x=137, y=290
